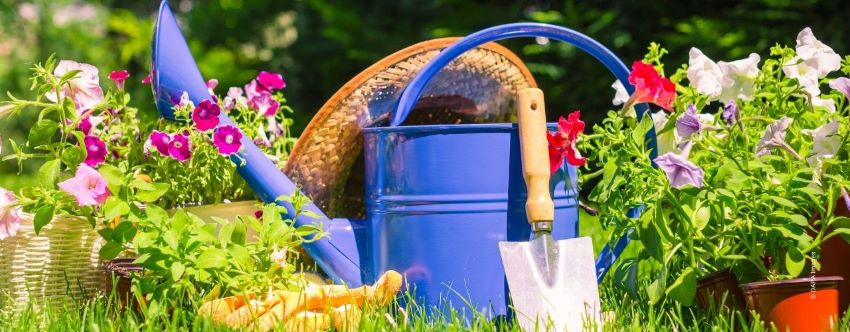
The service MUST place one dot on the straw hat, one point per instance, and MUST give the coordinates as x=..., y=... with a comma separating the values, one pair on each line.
x=480, y=86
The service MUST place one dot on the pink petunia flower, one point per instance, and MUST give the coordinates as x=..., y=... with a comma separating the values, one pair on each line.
x=84, y=89
x=95, y=151
x=160, y=141
x=147, y=79
x=179, y=147
x=228, y=139
x=206, y=115
x=87, y=186
x=271, y=81
x=253, y=89
x=265, y=104
x=10, y=215
x=119, y=76
x=234, y=99
x=211, y=84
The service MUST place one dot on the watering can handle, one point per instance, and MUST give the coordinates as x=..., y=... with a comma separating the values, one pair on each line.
x=414, y=90
x=416, y=86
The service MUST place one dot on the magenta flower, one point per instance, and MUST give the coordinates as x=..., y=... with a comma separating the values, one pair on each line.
x=179, y=147
x=205, y=115
x=95, y=151
x=265, y=104
x=10, y=215
x=271, y=81
x=159, y=140
x=147, y=79
x=730, y=113
x=84, y=89
x=87, y=186
x=688, y=123
x=228, y=139
x=680, y=171
x=842, y=84
x=119, y=76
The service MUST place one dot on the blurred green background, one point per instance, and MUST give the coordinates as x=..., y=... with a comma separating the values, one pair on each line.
x=319, y=44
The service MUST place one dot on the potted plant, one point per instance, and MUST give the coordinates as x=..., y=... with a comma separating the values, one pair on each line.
x=209, y=185
x=746, y=156
x=102, y=170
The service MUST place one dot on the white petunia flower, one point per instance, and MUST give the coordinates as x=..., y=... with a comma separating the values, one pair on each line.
x=668, y=141
x=827, y=103
x=805, y=74
x=738, y=78
x=621, y=96
x=704, y=74
x=817, y=54
x=826, y=142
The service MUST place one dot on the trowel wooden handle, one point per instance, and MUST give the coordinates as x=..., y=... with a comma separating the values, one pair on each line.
x=535, y=155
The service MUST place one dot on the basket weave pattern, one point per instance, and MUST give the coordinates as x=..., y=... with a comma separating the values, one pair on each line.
x=59, y=264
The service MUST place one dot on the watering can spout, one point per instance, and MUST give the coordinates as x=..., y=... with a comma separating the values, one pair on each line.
x=174, y=72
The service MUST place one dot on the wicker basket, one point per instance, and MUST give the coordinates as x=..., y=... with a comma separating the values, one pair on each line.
x=58, y=265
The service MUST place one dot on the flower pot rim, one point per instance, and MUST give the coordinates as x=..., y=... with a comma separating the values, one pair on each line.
x=718, y=273
x=824, y=282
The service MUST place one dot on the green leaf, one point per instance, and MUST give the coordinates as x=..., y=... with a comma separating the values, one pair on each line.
x=110, y=250
x=41, y=132
x=73, y=156
x=123, y=233
x=701, y=217
x=48, y=173
x=114, y=177
x=177, y=270
x=784, y=202
x=684, y=288
x=212, y=258
x=241, y=257
x=42, y=217
x=794, y=261
x=114, y=208
x=640, y=131
x=150, y=196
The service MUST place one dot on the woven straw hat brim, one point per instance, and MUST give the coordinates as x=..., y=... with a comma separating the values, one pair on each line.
x=477, y=87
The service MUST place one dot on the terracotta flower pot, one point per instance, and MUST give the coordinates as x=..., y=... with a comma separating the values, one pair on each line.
x=122, y=270
x=803, y=304
x=718, y=288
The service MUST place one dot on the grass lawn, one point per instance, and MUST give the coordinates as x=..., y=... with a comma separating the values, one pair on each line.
x=623, y=312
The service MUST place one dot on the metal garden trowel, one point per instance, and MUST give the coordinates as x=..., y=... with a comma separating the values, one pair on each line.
x=552, y=283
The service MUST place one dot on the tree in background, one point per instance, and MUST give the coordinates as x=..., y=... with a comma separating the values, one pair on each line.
x=320, y=44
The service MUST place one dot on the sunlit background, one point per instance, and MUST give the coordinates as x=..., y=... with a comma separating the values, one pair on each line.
x=320, y=44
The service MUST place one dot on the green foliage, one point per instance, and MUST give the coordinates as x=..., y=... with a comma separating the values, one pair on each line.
x=185, y=258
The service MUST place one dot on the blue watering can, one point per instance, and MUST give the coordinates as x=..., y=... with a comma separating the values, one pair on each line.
x=439, y=198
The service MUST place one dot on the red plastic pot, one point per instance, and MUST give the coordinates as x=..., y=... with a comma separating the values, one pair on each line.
x=719, y=288
x=803, y=304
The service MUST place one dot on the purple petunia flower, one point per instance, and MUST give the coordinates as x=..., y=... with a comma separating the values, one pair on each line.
x=179, y=147
x=228, y=139
x=159, y=140
x=842, y=84
x=95, y=150
x=730, y=113
x=680, y=171
x=205, y=115
x=688, y=123
x=774, y=137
